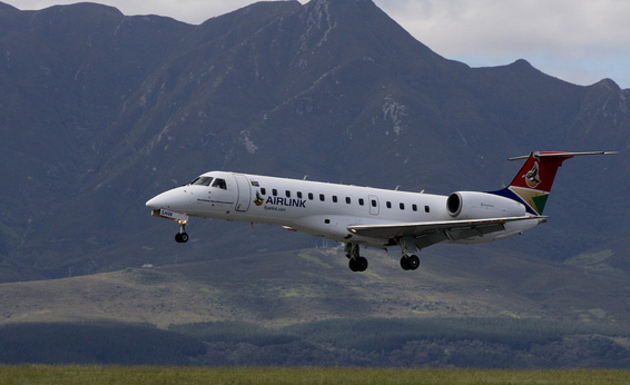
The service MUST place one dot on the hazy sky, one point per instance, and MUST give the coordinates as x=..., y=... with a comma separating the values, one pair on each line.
x=580, y=41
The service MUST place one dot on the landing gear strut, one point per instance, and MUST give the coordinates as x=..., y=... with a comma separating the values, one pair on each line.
x=356, y=262
x=181, y=237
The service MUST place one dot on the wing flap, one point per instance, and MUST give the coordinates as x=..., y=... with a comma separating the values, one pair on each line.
x=466, y=228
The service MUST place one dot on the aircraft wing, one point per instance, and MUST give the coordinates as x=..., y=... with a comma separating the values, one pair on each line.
x=459, y=229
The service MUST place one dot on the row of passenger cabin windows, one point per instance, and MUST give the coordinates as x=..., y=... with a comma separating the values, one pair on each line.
x=335, y=199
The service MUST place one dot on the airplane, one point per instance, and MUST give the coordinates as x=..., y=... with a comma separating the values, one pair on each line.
x=370, y=217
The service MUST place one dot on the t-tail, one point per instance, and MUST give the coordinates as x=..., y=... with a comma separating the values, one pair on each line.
x=532, y=184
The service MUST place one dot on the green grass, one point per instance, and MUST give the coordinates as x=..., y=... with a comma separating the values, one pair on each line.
x=307, y=375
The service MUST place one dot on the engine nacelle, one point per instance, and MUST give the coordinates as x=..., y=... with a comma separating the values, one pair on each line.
x=479, y=205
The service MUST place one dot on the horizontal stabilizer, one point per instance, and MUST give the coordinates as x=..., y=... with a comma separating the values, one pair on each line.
x=564, y=154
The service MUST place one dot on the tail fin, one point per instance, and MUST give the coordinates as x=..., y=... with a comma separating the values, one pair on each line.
x=532, y=184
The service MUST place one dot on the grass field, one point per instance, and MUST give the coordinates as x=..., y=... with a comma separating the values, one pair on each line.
x=38, y=374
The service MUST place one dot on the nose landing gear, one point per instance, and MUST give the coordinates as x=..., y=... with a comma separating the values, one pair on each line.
x=182, y=219
x=182, y=236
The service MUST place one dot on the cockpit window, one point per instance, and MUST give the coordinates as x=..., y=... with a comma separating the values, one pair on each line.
x=202, y=181
x=220, y=183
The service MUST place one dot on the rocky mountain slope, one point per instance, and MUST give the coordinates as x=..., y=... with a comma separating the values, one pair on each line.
x=101, y=111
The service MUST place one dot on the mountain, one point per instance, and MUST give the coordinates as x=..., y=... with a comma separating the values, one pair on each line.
x=101, y=111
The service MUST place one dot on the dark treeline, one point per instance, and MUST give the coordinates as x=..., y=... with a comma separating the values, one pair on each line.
x=97, y=343
x=443, y=342
x=437, y=342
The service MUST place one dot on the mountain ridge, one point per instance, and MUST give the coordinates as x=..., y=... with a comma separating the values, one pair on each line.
x=100, y=115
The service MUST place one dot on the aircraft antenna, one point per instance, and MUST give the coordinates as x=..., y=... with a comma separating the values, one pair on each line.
x=305, y=176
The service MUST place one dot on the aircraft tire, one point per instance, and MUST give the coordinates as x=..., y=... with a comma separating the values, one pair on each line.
x=362, y=263
x=404, y=263
x=413, y=262
x=358, y=264
x=352, y=264
x=181, y=237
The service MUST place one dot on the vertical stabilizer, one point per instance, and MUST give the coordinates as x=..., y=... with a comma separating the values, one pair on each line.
x=532, y=184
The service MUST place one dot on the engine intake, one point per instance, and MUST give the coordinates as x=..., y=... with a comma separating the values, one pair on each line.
x=479, y=205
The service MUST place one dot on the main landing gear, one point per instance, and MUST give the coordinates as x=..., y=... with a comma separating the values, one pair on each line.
x=181, y=237
x=408, y=261
x=356, y=262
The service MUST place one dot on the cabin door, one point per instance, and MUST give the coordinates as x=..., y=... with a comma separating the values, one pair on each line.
x=244, y=193
x=373, y=202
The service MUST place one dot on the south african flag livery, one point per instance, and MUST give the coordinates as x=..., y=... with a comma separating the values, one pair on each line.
x=532, y=184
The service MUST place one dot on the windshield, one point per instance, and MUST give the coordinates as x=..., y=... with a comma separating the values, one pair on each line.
x=202, y=181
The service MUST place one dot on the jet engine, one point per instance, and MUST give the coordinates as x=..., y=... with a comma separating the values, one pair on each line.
x=479, y=205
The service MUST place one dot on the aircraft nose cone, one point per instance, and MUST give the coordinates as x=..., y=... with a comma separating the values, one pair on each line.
x=153, y=203
x=176, y=200
x=157, y=202
x=162, y=201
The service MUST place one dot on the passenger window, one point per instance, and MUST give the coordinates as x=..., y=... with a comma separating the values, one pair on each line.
x=274, y=192
x=427, y=209
x=388, y=204
x=361, y=202
x=402, y=206
x=299, y=194
x=348, y=200
x=220, y=183
x=288, y=193
x=414, y=207
x=334, y=198
x=263, y=191
x=321, y=197
x=310, y=196
x=373, y=202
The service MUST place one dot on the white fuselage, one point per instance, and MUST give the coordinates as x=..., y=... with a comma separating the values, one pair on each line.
x=316, y=208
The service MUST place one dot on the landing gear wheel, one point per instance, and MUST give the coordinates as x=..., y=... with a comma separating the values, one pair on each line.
x=363, y=263
x=358, y=264
x=404, y=263
x=414, y=262
x=181, y=237
x=409, y=263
